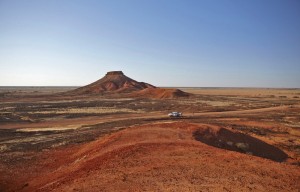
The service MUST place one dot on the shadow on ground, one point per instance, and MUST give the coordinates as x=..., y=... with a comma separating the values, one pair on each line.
x=235, y=141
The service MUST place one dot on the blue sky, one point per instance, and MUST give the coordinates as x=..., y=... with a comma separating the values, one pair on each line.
x=201, y=43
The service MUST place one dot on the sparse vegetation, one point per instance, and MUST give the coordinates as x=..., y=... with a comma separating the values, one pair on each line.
x=42, y=122
x=88, y=110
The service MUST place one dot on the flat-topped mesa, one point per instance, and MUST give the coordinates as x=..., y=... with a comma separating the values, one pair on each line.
x=115, y=73
x=113, y=82
x=117, y=82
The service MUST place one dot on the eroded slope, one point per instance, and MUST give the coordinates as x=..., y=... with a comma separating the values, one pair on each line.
x=165, y=156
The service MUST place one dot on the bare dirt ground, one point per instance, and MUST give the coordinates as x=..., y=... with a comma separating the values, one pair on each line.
x=228, y=140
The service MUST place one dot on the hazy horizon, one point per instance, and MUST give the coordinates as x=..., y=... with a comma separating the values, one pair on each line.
x=171, y=43
x=186, y=87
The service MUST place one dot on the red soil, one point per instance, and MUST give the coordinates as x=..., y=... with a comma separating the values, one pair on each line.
x=163, y=157
x=160, y=93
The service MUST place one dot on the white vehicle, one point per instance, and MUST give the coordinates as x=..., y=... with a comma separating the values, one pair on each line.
x=175, y=114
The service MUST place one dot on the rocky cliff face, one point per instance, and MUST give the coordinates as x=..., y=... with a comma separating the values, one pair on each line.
x=114, y=73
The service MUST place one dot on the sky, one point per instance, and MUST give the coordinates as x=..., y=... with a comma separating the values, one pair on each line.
x=180, y=43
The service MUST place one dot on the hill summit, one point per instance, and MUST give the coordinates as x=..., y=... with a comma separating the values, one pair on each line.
x=117, y=82
x=114, y=81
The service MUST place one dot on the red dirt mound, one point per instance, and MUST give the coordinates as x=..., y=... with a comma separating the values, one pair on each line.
x=114, y=81
x=160, y=93
x=160, y=157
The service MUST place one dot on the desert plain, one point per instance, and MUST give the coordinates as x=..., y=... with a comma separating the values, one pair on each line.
x=228, y=139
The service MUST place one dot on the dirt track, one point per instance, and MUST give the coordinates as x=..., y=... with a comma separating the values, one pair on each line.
x=78, y=122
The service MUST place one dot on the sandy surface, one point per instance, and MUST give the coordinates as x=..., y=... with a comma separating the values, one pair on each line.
x=76, y=123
